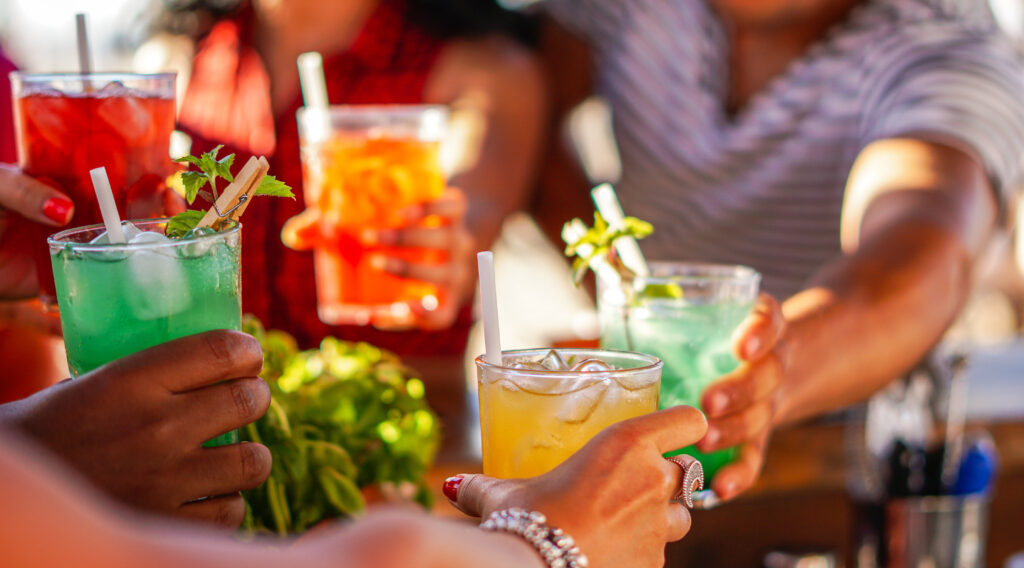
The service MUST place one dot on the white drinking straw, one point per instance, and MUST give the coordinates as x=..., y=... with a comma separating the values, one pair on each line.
x=627, y=247
x=311, y=78
x=108, y=209
x=84, y=58
x=489, y=304
x=574, y=231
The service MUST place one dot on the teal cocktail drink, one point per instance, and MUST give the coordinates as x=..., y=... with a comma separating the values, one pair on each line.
x=684, y=314
x=118, y=299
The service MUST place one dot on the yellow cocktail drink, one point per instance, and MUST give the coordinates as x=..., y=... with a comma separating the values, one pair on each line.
x=534, y=414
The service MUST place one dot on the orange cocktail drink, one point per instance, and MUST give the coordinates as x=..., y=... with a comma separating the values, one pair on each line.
x=540, y=406
x=363, y=166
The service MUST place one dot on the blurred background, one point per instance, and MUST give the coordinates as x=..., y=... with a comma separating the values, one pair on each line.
x=544, y=308
x=539, y=305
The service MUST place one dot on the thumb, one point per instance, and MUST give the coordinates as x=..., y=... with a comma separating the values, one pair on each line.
x=476, y=494
x=761, y=329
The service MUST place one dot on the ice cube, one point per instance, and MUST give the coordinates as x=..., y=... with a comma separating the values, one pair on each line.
x=579, y=406
x=553, y=361
x=159, y=287
x=130, y=232
x=201, y=246
x=591, y=365
x=528, y=366
x=53, y=116
x=126, y=115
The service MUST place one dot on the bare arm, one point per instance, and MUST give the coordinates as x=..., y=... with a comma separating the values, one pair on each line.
x=50, y=518
x=494, y=88
x=916, y=215
x=501, y=85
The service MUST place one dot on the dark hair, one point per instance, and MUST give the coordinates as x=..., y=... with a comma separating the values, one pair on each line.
x=193, y=18
x=445, y=19
x=469, y=18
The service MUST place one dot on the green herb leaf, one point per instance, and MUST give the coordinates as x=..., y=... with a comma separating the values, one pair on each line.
x=636, y=228
x=274, y=187
x=188, y=160
x=342, y=418
x=193, y=181
x=183, y=222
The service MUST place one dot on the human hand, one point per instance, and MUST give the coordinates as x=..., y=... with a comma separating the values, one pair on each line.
x=740, y=405
x=439, y=225
x=135, y=426
x=612, y=496
x=35, y=201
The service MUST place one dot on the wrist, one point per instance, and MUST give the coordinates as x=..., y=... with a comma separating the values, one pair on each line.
x=555, y=548
x=524, y=552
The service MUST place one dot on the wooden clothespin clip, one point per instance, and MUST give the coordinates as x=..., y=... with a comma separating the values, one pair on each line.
x=236, y=197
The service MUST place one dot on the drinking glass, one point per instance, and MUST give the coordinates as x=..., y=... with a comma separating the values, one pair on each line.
x=685, y=314
x=362, y=165
x=119, y=299
x=69, y=123
x=533, y=418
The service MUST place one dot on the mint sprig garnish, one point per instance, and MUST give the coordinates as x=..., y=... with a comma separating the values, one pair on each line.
x=210, y=169
x=599, y=243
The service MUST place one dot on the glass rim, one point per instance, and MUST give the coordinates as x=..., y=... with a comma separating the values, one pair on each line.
x=653, y=363
x=392, y=110
x=704, y=272
x=55, y=240
x=78, y=75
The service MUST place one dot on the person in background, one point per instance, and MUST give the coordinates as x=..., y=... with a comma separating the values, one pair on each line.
x=244, y=92
x=622, y=517
x=30, y=356
x=858, y=154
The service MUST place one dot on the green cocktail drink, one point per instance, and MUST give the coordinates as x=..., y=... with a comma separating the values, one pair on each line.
x=684, y=314
x=116, y=300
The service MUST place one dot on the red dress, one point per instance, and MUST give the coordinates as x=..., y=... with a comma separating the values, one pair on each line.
x=388, y=62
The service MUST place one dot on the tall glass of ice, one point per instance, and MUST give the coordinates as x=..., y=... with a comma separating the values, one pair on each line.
x=117, y=299
x=68, y=124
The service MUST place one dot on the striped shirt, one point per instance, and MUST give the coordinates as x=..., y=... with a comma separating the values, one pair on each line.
x=765, y=188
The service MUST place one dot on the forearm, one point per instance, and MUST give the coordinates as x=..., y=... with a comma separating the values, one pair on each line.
x=869, y=316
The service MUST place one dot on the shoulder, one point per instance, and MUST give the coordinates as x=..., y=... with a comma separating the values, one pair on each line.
x=495, y=65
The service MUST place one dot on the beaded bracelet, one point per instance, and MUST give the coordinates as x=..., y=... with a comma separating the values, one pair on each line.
x=557, y=549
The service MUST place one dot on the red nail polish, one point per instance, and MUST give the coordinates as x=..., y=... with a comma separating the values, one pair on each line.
x=58, y=209
x=451, y=488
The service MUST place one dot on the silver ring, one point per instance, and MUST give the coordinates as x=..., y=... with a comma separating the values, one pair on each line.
x=693, y=480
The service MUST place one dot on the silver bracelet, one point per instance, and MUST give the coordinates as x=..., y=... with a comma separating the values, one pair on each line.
x=557, y=549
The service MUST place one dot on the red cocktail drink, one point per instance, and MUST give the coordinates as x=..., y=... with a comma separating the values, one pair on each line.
x=68, y=124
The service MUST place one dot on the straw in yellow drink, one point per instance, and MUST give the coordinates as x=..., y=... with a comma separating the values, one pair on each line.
x=536, y=409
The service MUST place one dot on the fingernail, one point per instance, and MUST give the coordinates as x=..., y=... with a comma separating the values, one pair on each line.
x=58, y=209
x=451, y=488
x=710, y=439
x=379, y=262
x=753, y=344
